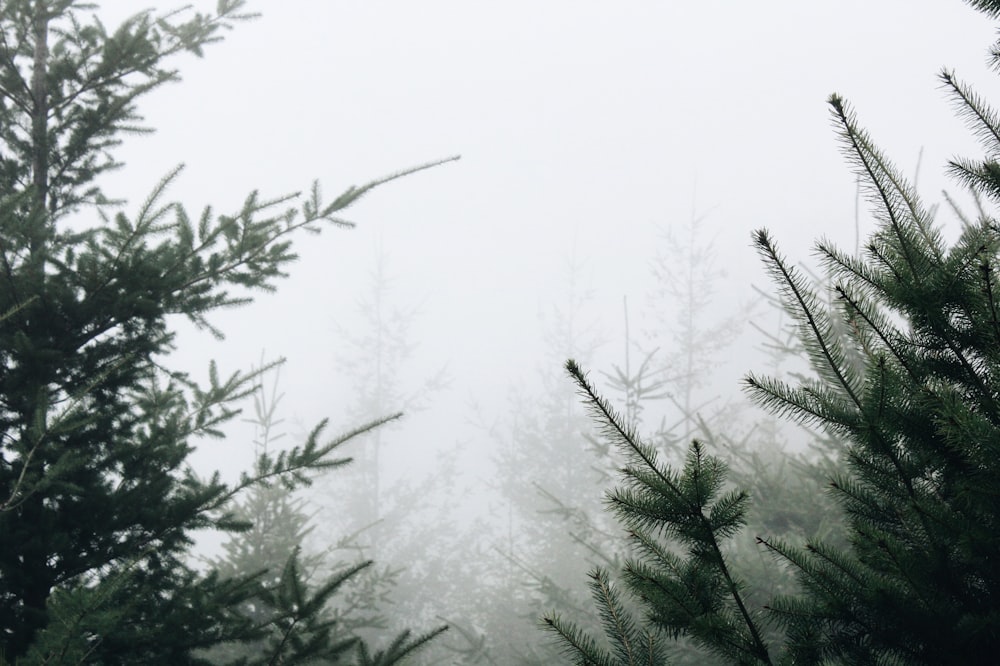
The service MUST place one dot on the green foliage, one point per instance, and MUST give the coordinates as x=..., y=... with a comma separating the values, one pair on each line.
x=905, y=369
x=693, y=595
x=294, y=619
x=68, y=91
x=399, y=649
x=299, y=625
x=97, y=503
x=630, y=645
x=918, y=488
x=551, y=529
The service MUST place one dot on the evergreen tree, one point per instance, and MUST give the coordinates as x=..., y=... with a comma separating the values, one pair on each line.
x=96, y=501
x=272, y=552
x=548, y=515
x=905, y=376
x=425, y=567
x=376, y=353
x=278, y=518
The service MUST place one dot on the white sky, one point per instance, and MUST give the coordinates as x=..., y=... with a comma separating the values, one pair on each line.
x=581, y=124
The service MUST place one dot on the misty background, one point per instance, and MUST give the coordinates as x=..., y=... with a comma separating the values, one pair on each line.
x=589, y=132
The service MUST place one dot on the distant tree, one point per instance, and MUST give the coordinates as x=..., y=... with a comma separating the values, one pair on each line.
x=97, y=503
x=539, y=545
x=403, y=521
x=916, y=581
x=272, y=551
x=374, y=361
x=669, y=361
x=661, y=384
x=685, y=334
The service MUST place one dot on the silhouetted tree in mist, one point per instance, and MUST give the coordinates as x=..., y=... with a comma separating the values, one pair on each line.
x=405, y=521
x=536, y=540
x=97, y=501
x=292, y=608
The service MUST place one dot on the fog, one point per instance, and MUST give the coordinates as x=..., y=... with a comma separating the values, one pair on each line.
x=586, y=131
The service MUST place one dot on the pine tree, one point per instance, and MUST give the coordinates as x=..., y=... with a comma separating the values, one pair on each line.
x=679, y=349
x=549, y=514
x=298, y=616
x=695, y=594
x=905, y=376
x=96, y=501
x=376, y=352
x=424, y=567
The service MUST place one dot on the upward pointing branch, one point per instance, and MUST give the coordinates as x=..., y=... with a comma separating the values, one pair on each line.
x=40, y=108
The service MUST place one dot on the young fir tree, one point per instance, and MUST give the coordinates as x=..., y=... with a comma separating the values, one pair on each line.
x=917, y=581
x=272, y=551
x=96, y=501
x=425, y=567
x=542, y=542
x=678, y=351
x=374, y=361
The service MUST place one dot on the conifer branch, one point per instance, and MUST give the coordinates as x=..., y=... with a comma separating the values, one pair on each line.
x=676, y=505
x=289, y=466
x=878, y=325
x=891, y=194
x=987, y=274
x=611, y=423
x=980, y=119
x=576, y=644
x=806, y=309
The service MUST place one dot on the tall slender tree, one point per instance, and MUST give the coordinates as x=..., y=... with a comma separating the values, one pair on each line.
x=374, y=361
x=404, y=522
x=542, y=541
x=96, y=501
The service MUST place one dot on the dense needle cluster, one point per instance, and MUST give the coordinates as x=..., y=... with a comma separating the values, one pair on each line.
x=906, y=374
x=97, y=503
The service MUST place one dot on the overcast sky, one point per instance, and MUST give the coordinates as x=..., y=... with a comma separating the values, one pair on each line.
x=584, y=128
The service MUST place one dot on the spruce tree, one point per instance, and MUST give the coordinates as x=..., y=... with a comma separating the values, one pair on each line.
x=402, y=521
x=299, y=615
x=97, y=503
x=549, y=531
x=905, y=376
